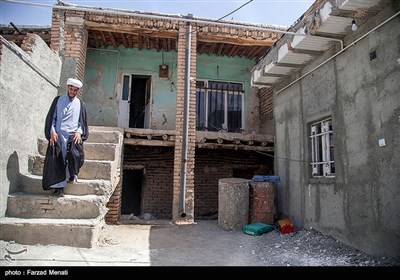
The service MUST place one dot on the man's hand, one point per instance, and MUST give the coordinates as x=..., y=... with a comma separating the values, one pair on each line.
x=77, y=138
x=53, y=138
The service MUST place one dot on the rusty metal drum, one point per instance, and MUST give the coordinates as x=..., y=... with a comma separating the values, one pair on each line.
x=261, y=202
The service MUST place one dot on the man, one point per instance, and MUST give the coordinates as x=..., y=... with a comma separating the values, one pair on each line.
x=66, y=129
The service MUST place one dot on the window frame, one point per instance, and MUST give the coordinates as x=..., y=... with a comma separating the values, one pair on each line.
x=322, y=160
x=204, y=92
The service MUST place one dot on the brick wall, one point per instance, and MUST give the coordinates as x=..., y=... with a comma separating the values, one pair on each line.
x=158, y=164
x=213, y=165
x=114, y=206
x=57, y=29
x=266, y=104
x=28, y=42
x=69, y=39
x=267, y=125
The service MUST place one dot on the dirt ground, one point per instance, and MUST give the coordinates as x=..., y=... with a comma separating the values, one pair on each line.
x=200, y=244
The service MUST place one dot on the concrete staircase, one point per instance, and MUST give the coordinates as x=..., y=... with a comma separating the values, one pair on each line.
x=34, y=216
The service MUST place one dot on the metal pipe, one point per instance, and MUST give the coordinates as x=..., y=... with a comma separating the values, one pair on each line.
x=182, y=196
x=191, y=20
x=339, y=52
x=16, y=28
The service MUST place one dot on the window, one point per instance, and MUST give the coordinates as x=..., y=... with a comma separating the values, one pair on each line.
x=219, y=106
x=322, y=143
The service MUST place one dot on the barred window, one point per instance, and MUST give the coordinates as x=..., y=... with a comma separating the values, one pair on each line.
x=322, y=145
x=219, y=106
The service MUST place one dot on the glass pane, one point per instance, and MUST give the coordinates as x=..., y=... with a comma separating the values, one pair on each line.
x=225, y=86
x=234, y=112
x=322, y=148
x=320, y=170
x=319, y=149
x=318, y=126
x=125, y=88
x=215, y=110
x=314, y=150
x=200, y=84
x=200, y=110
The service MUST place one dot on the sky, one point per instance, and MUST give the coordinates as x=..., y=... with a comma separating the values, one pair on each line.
x=278, y=12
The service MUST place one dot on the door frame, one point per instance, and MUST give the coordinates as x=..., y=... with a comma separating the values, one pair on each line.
x=124, y=101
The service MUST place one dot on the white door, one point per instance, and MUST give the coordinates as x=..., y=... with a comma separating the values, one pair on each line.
x=124, y=102
x=147, y=104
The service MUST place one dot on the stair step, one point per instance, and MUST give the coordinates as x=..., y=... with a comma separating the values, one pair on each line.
x=92, y=169
x=99, y=136
x=32, y=184
x=22, y=205
x=93, y=151
x=35, y=216
x=82, y=233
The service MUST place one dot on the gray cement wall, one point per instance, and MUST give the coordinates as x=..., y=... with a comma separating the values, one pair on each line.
x=28, y=82
x=360, y=206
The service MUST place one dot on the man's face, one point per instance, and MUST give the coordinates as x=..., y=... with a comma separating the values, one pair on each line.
x=72, y=91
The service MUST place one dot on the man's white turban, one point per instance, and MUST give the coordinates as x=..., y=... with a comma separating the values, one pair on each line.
x=74, y=82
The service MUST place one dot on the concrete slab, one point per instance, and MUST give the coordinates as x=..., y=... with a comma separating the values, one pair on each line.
x=91, y=169
x=33, y=184
x=22, y=205
x=82, y=233
x=93, y=151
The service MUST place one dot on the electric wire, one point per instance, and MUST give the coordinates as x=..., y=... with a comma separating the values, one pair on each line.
x=248, y=2
x=221, y=18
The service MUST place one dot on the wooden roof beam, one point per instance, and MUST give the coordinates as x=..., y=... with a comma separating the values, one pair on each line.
x=233, y=50
x=130, y=30
x=244, y=41
x=140, y=38
x=114, y=43
x=251, y=52
x=124, y=41
x=147, y=42
x=158, y=44
x=220, y=49
x=103, y=37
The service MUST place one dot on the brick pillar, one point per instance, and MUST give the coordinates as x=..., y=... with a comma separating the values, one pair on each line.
x=114, y=205
x=57, y=25
x=69, y=38
x=190, y=159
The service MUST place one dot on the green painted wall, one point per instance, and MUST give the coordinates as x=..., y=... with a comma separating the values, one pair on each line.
x=103, y=75
x=104, y=69
x=163, y=96
x=99, y=87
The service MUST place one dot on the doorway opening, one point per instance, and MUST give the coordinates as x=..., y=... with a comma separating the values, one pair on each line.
x=140, y=101
x=132, y=185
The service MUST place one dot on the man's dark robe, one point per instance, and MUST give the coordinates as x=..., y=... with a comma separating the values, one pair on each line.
x=75, y=157
x=54, y=165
